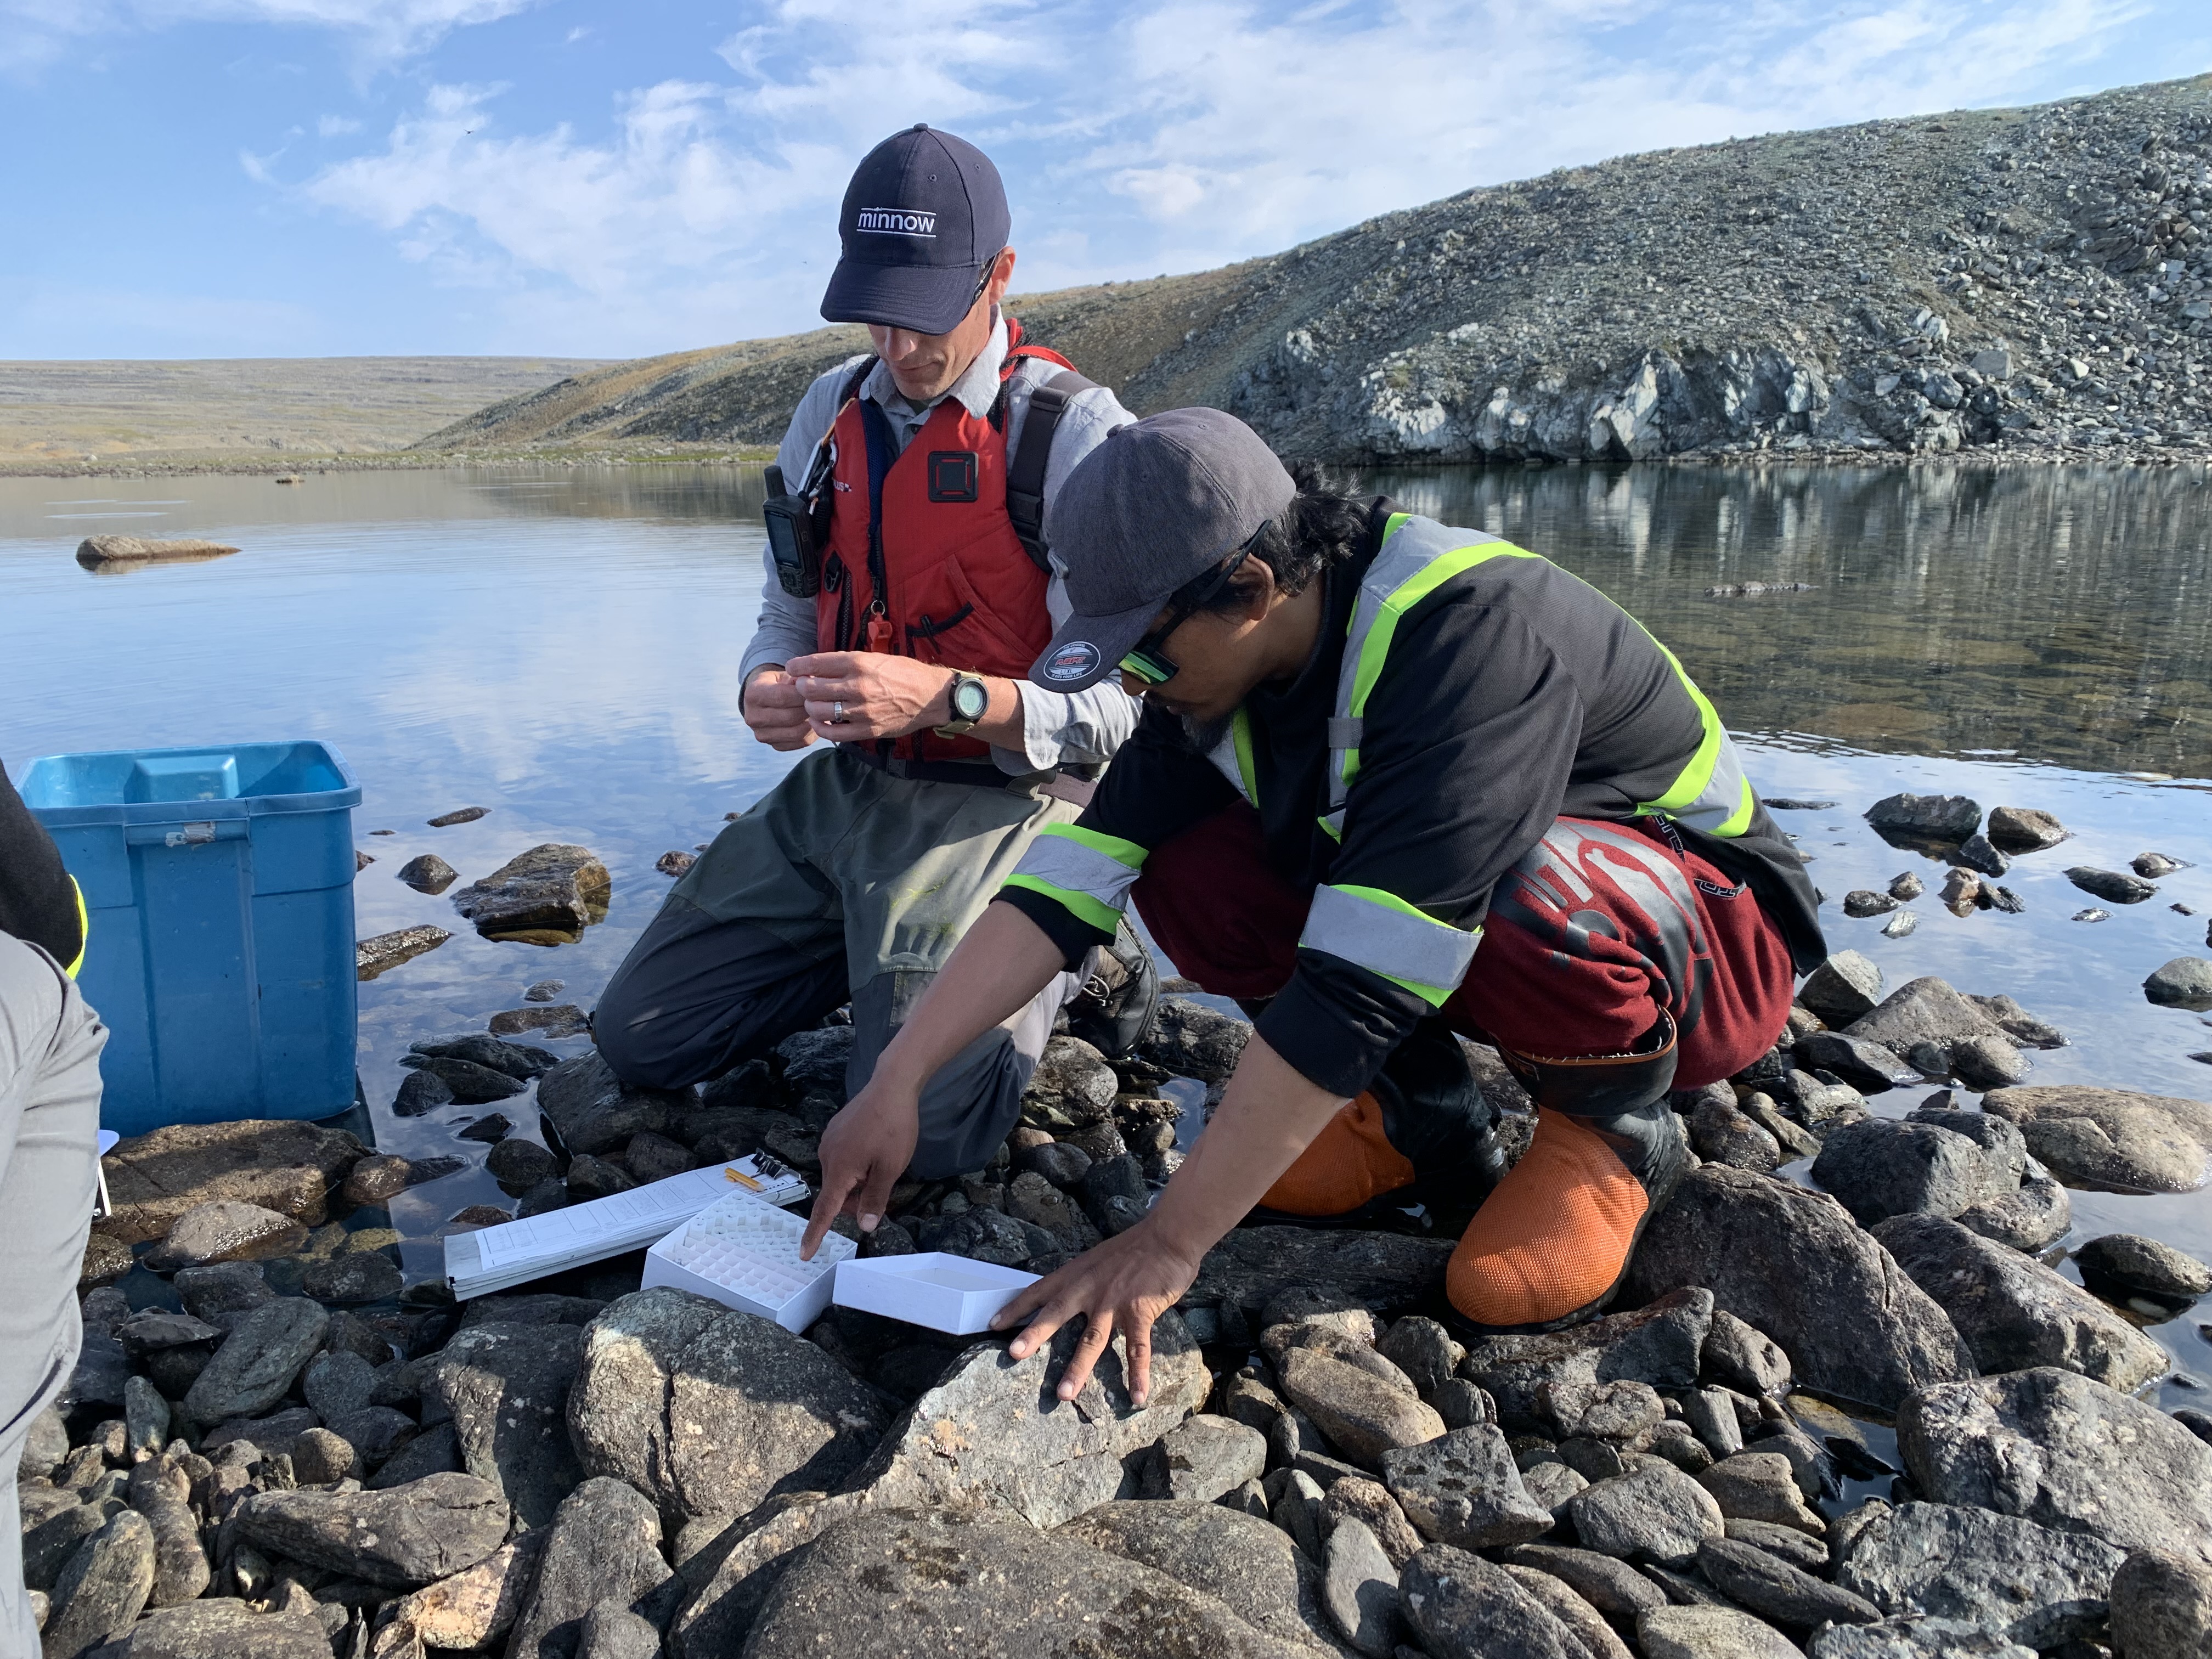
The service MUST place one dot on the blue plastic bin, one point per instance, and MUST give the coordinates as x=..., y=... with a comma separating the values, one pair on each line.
x=219, y=883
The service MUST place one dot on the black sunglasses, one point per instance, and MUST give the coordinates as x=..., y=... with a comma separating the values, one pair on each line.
x=1146, y=660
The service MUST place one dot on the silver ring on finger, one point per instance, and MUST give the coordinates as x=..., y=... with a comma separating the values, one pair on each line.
x=837, y=714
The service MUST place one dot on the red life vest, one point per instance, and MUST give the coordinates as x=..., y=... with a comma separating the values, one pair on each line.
x=923, y=559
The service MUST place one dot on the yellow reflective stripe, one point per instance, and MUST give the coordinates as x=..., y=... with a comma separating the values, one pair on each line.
x=1740, y=820
x=1081, y=906
x=1241, y=733
x=1391, y=525
x=1121, y=852
x=83, y=929
x=1375, y=649
x=1691, y=783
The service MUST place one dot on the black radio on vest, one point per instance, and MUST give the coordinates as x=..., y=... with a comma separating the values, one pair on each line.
x=794, y=534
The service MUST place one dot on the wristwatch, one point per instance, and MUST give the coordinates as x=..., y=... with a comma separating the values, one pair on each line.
x=970, y=699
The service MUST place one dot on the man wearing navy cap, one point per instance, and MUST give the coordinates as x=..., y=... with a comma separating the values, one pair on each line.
x=909, y=588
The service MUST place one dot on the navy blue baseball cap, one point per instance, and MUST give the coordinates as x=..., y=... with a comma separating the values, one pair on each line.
x=923, y=217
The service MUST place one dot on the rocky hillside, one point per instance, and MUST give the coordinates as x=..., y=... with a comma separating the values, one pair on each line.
x=2031, y=282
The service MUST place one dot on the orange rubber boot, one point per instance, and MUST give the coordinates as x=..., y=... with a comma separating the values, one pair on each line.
x=1350, y=1162
x=1553, y=1241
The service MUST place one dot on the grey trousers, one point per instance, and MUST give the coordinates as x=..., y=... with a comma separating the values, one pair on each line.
x=842, y=883
x=49, y=1044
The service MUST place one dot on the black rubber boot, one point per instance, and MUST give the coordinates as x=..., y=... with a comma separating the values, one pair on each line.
x=1114, y=1010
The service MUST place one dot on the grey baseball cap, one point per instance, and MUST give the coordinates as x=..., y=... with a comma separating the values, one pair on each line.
x=1157, y=504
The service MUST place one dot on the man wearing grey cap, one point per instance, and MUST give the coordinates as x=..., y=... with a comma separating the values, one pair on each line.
x=909, y=588
x=1373, y=743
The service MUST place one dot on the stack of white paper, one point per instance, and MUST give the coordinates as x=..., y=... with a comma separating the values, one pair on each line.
x=515, y=1252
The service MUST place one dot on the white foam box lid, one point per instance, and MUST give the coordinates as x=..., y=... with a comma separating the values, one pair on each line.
x=944, y=1292
x=744, y=1254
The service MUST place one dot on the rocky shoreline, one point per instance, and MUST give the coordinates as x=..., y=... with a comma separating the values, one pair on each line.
x=1847, y=1406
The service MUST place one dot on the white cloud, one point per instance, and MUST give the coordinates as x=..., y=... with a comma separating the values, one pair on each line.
x=1171, y=137
x=33, y=34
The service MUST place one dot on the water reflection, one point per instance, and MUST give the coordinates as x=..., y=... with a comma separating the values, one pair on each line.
x=2057, y=613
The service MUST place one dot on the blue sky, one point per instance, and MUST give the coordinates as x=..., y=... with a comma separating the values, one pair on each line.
x=259, y=178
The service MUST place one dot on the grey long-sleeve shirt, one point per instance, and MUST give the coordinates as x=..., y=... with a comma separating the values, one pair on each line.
x=1057, y=726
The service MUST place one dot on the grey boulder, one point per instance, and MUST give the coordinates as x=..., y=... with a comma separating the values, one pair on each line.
x=1843, y=989
x=1662, y=1343
x=1455, y=1602
x=1775, y=1589
x=1364, y=1416
x=1251, y=1567
x=2052, y=1447
x=257, y=1363
x=603, y=1545
x=709, y=1411
x=2161, y=1604
x=1203, y=1458
x=1710, y=1632
x=2040, y=1587
x=1795, y=1264
x=1462, y=1489
x=1360, y=1589
x=2183, y=982
x=400, y=1539
x=1882, y=1167
x=102, y=1588
x=1942, y=817
x=224, y=1629
x=987, y=1585
x=2110, y=1139
x=506, y=1387
x=1388, y=1272
x=2144, y=1266
x=594, y=1110
x=1916, y=1638
x=1655, y=1513
x=2014, y=1312
x=994, y=1428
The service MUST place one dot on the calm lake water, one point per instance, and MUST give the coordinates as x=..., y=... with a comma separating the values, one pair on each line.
x=561, y=647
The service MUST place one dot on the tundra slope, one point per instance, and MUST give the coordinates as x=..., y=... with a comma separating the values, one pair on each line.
x=2027, y=282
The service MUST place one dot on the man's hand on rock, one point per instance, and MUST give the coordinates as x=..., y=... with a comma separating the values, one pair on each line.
x=1128, y=1281
x=865, y=1150
x=852, y=696
x=775, y=711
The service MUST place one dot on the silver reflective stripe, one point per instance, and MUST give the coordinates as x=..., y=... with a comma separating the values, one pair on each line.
x=1402, y=557
x=1723, y=801
x=1079, y=869
x=1223, y=756
x=1397, y=944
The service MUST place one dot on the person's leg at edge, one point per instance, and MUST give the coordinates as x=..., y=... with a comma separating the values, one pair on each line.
x=1614, y=967
x=1228, y=921
x=49, y=1044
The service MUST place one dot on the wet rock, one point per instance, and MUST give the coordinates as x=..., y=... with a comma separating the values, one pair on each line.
x=459, y=815
x=2110, y=1139
x=2128, y=1262
x=2024, y=829
x=1455, y=1602
x=506, y=1387
x=353, y=1280
x=1188, y=1039
x=429, y=873
x=1056, y=1161
x=1900, y=926
x=420, y=1093
x=2052, y=1447
x=1924, y=1010
x=2183, y=982
x=376, y=1178
x=880, y=1580
x=994, y=1428
x=1881, y=1168
x=2162, y=1603
x=2151, y=866
x=1656, y=1513
x=2012, y=1311
x=1977, y=854
x=1462, y=1488
x=381, y=952
x=1386, y=1271
x=545, y=990
x=558, y=1020
x=1854, y=1325
x=547, y=896
x=1866, y=1066
x=401, y=1538
x=1758, y=1485
x=1362, y=1415
x=1774, y=1590
x=1963, y=892
x=470, y=1609
x=493, y=1128
x=595, y=1110
x=1938, y=817
x=2039, y=1587
x=518, y=1165
x=592, y=1177
x=603, y=1545
x=1845, y=987
x=1249, y=1566
x=1864, y=902
x=522, y=1062
x=225, y=1229
x=709, y=1410
x=1709, y=1633
x=102, y=1588
x=1203, y=1458
x=2110, y=885
x=650, y=1158
x=2092, y=913
x=256, y=1364
x=675, y=862
x=1360, y=1589
x=281, y=1164
x=465, y=1080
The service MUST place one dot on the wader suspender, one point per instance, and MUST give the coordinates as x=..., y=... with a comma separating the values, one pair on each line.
x=1049, y=401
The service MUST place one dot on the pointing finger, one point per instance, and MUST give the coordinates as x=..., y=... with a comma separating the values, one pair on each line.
x=836, y=1187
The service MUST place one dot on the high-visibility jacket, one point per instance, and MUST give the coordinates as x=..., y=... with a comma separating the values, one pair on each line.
x=1401, y=869
x=39, y=901
x=924, y=558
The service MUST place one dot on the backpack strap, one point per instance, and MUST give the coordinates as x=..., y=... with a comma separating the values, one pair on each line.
x=1025, y=470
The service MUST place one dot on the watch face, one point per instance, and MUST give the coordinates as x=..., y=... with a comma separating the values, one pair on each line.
x=971, y=700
